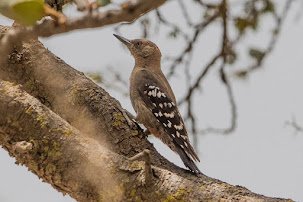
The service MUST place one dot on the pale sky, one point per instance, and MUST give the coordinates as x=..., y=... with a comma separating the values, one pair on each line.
x=262, y=155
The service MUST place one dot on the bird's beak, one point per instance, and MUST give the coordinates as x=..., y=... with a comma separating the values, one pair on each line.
x=123, y=40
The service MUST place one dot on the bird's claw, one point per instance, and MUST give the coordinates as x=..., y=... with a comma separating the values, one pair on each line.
x=147, y=133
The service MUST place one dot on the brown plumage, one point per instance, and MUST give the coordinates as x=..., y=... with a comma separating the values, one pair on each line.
x=155, y=102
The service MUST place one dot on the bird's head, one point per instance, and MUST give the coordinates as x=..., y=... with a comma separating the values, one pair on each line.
x=141, y=49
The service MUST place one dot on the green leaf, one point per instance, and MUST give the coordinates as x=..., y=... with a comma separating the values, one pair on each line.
x=241, y=24
x=268, y=7
x=241, y=74
x=29, y=12
x=103, y=2
x=174, y=33
x=26, y=12
x=256, y=54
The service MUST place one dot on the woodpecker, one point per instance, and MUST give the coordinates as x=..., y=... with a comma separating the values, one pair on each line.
x=154, y=101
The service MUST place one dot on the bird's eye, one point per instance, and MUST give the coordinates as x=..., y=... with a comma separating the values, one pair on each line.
x=138, y=43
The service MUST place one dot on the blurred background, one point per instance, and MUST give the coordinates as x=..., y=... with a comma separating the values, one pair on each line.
x=236, y=68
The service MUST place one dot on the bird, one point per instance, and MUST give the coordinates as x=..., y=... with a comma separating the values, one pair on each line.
x=154, y=101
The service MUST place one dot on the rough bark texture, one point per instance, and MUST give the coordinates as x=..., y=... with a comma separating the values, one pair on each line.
x=72, y=134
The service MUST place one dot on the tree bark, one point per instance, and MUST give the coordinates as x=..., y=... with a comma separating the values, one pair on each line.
x=71, y=133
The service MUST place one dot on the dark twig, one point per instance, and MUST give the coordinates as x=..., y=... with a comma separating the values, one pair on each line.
x=233, y=105
x=203, y=4
x=225, y=51
x=199, y=28
x=200, y=77
x=171, y=25
x=224, y=76
x=184, y=12
x=191, y=117
x=187, y=68
x=232, y=102
x=145, y=27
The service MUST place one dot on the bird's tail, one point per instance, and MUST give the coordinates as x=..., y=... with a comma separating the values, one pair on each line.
x=187, y=160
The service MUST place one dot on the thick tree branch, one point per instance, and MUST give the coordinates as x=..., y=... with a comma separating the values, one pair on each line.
x=59, y=154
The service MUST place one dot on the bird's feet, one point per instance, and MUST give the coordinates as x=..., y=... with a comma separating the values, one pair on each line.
x=128, y=117
x=146, y=133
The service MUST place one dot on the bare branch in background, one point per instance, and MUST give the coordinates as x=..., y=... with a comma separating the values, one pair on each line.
x=187, y=69
x=203, y=4
x=260, y=56
x=196, y=84
x=227, y=55
x=225, y=52
x=233, y=108
x=212, y=13
x=175, y=28
x=185, y=13
x=199, y=28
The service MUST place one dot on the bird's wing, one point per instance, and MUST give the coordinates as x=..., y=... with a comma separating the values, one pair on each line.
x=165, y=111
